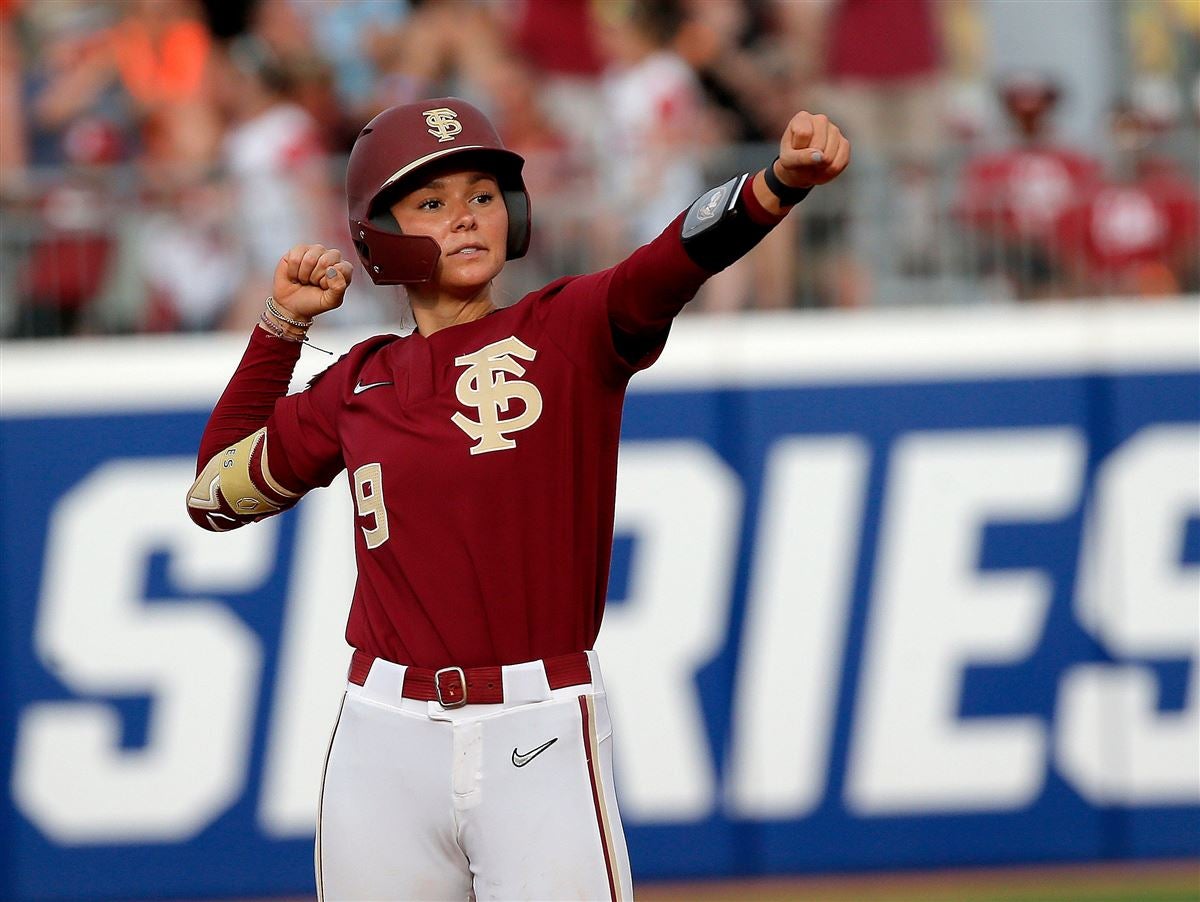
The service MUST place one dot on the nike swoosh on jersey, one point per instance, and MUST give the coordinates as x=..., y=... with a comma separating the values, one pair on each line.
x=520, y=760
x=359, y=388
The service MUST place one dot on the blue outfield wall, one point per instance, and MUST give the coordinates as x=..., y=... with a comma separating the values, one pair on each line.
x=888, y=591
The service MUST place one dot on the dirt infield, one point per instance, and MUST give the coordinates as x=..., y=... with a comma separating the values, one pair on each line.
x=1174, y=881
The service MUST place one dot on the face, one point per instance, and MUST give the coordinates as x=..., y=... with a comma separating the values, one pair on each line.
x=464, y=212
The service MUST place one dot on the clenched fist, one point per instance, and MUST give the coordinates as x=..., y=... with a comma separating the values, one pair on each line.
x=813, y=151
x=311, y=279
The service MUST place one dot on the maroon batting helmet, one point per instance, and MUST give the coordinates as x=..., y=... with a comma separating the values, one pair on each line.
x=390, y=150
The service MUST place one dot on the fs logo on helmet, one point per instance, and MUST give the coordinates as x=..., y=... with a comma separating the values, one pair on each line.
x=443, y=123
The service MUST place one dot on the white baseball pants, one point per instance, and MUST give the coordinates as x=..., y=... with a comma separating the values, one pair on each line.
x=507, y=801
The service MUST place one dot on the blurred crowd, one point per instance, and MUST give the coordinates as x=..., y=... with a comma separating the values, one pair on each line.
x=158, y=156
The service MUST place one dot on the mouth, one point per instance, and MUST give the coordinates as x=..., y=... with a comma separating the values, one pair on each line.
x=469, y=250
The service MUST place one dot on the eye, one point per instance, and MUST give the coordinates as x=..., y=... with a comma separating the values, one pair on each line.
x=483, y=198
x=430, y=203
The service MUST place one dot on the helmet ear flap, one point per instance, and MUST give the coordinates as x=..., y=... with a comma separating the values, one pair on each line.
x=519, y=222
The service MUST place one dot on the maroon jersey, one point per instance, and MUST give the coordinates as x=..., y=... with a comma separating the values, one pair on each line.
x=482, y=459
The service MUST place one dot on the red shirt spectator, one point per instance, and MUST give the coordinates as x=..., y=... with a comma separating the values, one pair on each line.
x=1021, y=193
x=558, y=37
x=1138, y=237
x=882, y=41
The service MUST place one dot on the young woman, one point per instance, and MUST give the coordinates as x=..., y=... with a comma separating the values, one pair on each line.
x=472, y=752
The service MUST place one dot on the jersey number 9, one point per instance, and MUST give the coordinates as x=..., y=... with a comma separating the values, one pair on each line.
x=368, y=500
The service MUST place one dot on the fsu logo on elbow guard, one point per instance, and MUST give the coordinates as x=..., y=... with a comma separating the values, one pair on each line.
x=443, y=123
x=712, y=204
x=486, y=387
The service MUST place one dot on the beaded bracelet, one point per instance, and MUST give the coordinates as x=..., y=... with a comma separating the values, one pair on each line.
x=284, y=318
x=278, y=331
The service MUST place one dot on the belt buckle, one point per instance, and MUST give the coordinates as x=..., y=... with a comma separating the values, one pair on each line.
x=447, y=700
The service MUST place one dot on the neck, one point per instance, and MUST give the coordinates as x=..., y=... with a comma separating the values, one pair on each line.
x=436, y=311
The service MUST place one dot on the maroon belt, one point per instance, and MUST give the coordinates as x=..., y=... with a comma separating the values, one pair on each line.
x=453, y=687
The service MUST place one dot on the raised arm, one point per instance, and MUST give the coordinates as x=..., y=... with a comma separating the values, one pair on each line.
x=650, y=287
x=239, y=479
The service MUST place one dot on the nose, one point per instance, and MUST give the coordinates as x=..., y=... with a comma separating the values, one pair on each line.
x=464, y=217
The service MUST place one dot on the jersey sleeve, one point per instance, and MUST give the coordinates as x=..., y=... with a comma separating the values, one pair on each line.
x=261, y=378
x=262, y=449
x=620, y=317
x=305, y=426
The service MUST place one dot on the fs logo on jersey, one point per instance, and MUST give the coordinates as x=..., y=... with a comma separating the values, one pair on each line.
x=485, y=387
x=443, y=123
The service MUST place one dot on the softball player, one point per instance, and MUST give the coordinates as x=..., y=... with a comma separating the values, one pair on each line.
x=472, y=752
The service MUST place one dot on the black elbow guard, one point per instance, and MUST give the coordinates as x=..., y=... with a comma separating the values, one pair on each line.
x=717, y=229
